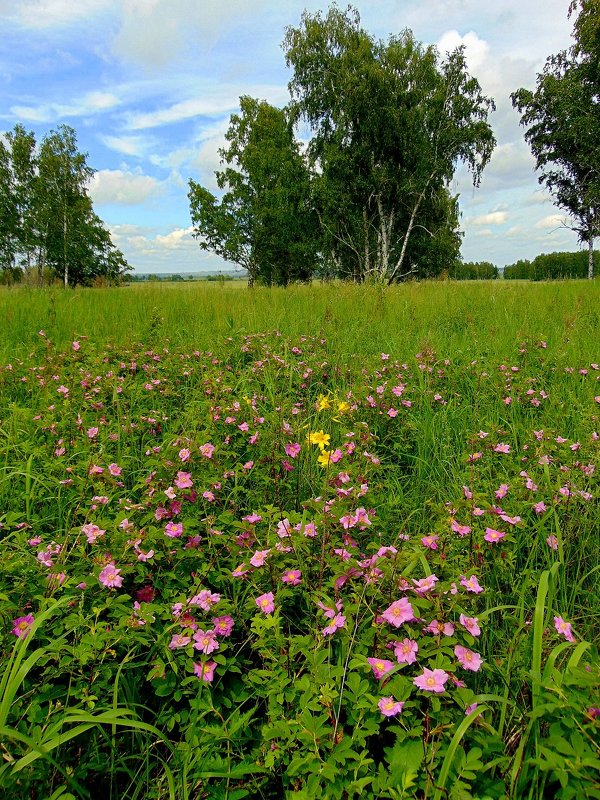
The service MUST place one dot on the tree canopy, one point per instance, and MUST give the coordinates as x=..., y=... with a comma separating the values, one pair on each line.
x=369, y=197
x=47, y=220
x=562, y=117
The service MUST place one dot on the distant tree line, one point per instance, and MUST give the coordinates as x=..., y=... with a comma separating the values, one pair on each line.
x=552, y=266
x=48, y=227
x=473, y=271
x=368, y=198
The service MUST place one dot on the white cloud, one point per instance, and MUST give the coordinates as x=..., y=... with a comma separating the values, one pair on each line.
x=51, y=13
x=173, y=240
x=123, y=188
x=476, y=49
x=128, y=145
x=89, y=104
x=493, y=218
x=551, y=221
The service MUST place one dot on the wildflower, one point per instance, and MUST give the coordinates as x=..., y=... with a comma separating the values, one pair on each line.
x=471, y=624
x=502, y=491
x=324, y=458
x=462, y=530
x=110, y=577
x=292, y=449
x=205, y=641
x=380, y=666
x=179, y=640
x=266, y=603
x=205, y=672
x=552, y=542
x=184, y=454
x=502, y=448
x=205, y=599
x=390, y=707
x=471, y=708
x=92, y=532
x=223, y=625
x=252, y=518
x=183, y=480
x=173, y=529
x=493, y=536
x=471, y=584
x=338, y=621
x=425, y=585
x=75, y=345
x=320, y=438
x=292, y=577
x=430, y=541
x=431, y=680
x=540, y=507
x=22, y=626
x=564, y=628
x=439, y=628
x=468, y=659
x=207, y=450
x=259, y=557
x=406, y=651
x=399, y=612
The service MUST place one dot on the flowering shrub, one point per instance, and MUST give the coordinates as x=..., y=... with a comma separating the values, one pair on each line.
x=242, y=563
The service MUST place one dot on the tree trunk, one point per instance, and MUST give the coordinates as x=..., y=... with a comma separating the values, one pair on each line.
x=591, y=257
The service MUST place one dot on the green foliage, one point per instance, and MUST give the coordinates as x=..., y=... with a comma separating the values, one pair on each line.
x=552, y=266
x=47, y=222
x=562, y=118
x=264, y=221
x=390, y=124
x=473, y=271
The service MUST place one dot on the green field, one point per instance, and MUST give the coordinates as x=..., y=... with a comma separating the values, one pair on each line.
x=325, y=542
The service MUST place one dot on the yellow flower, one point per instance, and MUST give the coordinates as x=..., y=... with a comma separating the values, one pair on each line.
x=343, y=406
x=324, y=457
x=323, y=403
x=320, y=438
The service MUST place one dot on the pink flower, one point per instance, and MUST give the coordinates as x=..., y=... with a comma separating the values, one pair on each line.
x=110, y=577
x=75, y=346
x=338, y=621
x=22, y=626
x=425, y=585
x=502, y=491
x=266, y=603
x=173, y=529
x=205, y=641
x=564, y=628
x=292, y=577
x=205, y=672
x=252, y=519
x=468, y=659
x=399, y=612
x=493, y=536
x=502, y=448
x=540, y=507
x=92, y=532
x=205, y=599
x=259, y=558
x=380, y=666
x=430, y=541
x=184, y=480
x=471, y=624
x=92, y=432
x=223, y=625
x=115, y=470
x=471, y=584
x=207, y=450
x=439, y=628
x=292, y=449
x=462, y=530
x=179, y=640
x=431, y=680
x=390, y=707
x=406, y=651
x=184, y=454
x=552, y=541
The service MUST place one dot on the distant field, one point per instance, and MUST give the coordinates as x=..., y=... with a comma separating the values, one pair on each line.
x=480, y=318
x=317, y=543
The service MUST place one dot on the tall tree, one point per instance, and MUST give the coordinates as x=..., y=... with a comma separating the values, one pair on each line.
x=263, y=221
x=19, y=185
x=562, y=117
x=390, y=123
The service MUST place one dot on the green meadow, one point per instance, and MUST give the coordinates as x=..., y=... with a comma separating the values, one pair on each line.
x=329, y=541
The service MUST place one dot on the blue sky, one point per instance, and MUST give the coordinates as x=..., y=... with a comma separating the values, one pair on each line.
x=149, y=86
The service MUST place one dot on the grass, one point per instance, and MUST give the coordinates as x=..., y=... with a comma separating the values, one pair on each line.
x=451, y=409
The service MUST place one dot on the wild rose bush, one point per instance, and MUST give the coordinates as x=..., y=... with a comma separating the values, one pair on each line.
x=246, y=551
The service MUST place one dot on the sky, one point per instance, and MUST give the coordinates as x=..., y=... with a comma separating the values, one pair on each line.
x=149, y=87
